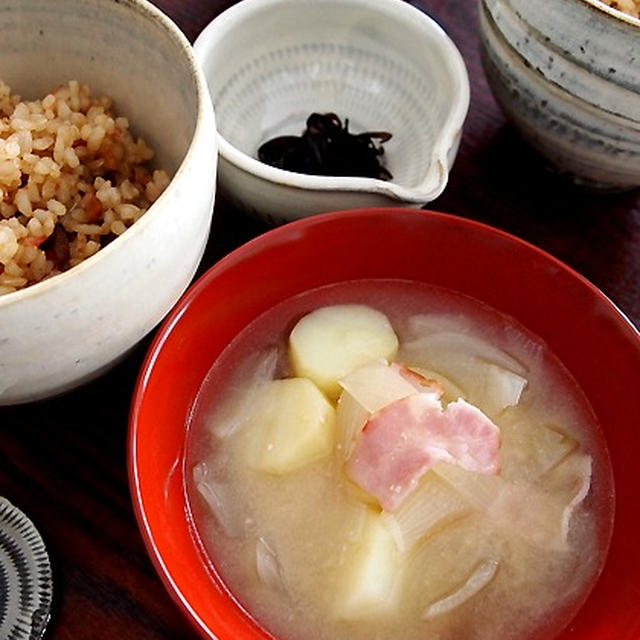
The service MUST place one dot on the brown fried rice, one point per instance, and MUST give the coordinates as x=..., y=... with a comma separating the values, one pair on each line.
x=72, y=178
x=632, y=7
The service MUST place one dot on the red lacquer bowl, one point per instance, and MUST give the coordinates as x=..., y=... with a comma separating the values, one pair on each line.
x=593, y=339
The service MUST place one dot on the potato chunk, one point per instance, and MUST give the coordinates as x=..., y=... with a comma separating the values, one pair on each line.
x=332, y=341
x=291, y=425
x=370, y=573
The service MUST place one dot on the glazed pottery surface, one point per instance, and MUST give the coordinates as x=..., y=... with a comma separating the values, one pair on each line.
x=63, y=331
x=566, y=73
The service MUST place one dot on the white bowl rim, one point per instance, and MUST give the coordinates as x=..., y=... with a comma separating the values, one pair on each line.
x=203, y=103
x=447, y=139
x=618, y=14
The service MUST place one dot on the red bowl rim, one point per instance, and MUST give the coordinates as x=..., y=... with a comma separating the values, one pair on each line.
x=288, y=232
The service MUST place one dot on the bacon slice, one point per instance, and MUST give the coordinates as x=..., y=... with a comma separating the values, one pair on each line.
x=403, y=440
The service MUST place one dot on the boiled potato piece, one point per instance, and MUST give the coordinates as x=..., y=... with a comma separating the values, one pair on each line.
x=367, y=583
x=291, y=425
x=332, y=341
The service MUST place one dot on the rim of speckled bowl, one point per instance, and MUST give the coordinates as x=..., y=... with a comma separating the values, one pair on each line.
x=448, y=139
x=558, y=91
x=618, y=14
x=176, y=36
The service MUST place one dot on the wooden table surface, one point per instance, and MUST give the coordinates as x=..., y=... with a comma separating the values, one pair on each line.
x=63, y=461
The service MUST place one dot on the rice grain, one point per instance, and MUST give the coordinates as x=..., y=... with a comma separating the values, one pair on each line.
x=72, y=178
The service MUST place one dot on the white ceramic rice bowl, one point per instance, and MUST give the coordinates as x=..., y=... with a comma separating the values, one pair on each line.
x=66, y=330
x=384, y=65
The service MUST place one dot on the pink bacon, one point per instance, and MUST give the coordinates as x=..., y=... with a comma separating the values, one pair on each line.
x=403, y=440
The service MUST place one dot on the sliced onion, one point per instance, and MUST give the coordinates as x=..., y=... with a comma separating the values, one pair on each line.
x=451, y=390
x=552, y=447
x=268, y=566
x=200, y=472
x=233, y=413
x=539, y=515
x=478, y=489
x=460, y=368
x=482, y=575
x=423, y=324
x=376, y=385
x=351, y=416
x=431, y=505
x=221, y=501
x=466, y=361
x=503, y=389
x=532, y=451
x=572, y=478
x=443, y=345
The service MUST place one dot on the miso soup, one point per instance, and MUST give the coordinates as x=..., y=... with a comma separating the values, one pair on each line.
x=384, y=459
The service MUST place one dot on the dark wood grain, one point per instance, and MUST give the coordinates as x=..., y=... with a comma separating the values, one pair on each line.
x=63, y=461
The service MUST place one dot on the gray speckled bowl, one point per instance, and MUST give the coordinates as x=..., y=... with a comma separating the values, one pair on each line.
x=567, y=74
x=63, y=331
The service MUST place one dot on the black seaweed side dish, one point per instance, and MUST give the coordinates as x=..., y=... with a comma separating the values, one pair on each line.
x=327, y=148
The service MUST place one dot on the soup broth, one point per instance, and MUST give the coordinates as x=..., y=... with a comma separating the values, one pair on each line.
x=311, y=553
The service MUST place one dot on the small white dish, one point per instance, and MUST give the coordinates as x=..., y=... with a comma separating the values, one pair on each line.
x=384, y=65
